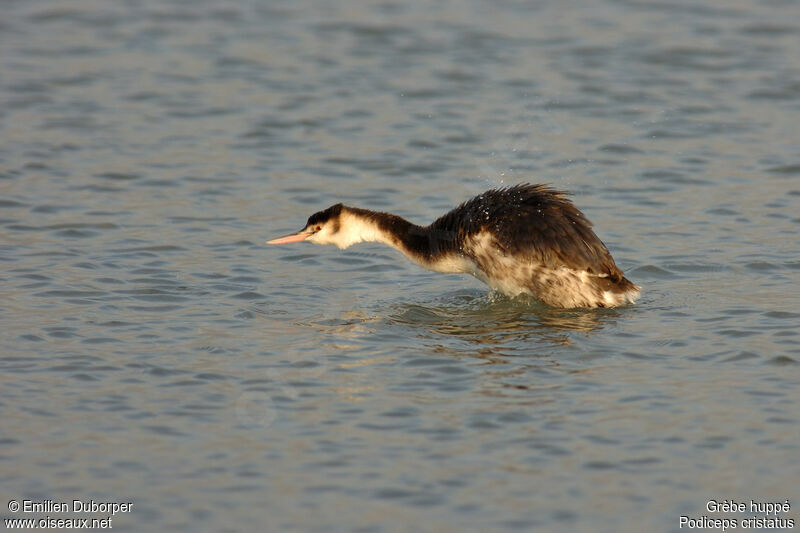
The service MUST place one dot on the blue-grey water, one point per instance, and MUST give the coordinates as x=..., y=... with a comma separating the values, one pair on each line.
x=153, y=350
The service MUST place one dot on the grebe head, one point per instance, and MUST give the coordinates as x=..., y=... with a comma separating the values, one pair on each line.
x=331, y=226
x=341, y=226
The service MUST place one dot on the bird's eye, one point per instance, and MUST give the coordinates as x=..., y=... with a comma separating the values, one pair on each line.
x=318, y=228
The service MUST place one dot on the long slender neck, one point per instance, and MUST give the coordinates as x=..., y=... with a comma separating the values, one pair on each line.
x=420, y=244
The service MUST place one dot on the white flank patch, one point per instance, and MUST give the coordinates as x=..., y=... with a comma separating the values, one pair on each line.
x=452, y=264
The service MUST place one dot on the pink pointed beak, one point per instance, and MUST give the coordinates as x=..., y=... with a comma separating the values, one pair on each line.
x=294, y=237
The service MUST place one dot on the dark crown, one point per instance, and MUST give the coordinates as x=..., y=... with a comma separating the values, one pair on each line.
x=323, y=216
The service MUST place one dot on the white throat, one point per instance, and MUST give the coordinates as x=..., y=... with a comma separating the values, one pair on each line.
x=352, y=230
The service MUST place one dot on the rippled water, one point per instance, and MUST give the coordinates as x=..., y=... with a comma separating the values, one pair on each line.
x=153, y=349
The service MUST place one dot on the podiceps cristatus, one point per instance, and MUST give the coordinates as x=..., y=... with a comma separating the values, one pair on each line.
x=525, y=239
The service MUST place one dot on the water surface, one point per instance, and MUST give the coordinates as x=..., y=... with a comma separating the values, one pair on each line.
x=154, y=350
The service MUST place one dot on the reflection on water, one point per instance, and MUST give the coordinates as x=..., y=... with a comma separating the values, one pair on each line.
x=484, y=320
x=496, y=319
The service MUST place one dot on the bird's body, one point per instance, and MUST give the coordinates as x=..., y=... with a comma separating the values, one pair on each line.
x=525, y=239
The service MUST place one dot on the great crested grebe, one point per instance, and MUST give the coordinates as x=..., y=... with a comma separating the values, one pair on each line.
x=525, y=239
